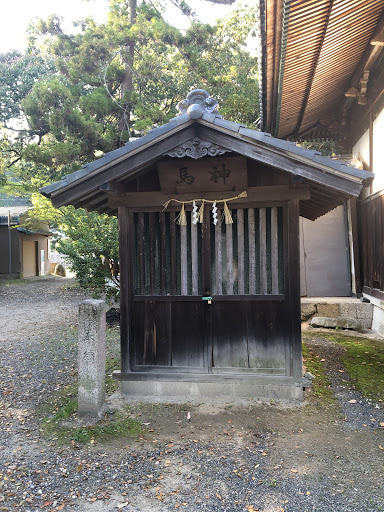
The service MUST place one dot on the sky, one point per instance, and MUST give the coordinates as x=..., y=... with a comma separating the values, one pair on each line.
x=16, y=15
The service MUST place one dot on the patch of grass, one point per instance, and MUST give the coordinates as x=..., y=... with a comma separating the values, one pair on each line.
x=364, y=363
x=121, y=425
x=71, y=286
x=66, y=411
x=111, y=385
x=64, y=406
x=321, y=384
x=14, y=282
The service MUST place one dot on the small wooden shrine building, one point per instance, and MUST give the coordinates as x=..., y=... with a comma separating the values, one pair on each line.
x=209, y=251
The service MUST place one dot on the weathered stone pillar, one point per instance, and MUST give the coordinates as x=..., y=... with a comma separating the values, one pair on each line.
x=92, y=347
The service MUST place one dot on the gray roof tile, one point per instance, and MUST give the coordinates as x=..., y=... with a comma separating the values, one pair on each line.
x=208, y=117
x=265, y=138
x=229, y=125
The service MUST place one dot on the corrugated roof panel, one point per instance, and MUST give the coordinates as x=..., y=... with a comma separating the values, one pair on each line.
x=325, y=43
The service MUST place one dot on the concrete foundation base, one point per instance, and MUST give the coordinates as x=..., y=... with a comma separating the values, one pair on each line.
x=378, y=314
x=188, y=388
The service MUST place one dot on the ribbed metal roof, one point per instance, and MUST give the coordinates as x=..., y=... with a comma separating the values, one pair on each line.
x=322, y=43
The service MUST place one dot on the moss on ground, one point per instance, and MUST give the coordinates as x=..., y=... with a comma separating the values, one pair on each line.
x=321, y=385
x=363, y=361
x=58, y=416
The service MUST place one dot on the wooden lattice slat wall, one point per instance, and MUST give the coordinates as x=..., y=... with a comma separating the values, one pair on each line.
x=246, y=256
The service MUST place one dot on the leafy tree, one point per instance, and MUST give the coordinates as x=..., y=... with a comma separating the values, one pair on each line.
x=91, y=245
x=82, y=95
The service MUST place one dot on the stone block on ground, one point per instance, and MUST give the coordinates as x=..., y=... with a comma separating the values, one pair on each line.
x=337, y=323
x=348, y=309
x=359, y=310
x=307, y=310
x=328, y=310
x=60, y=270
x=92, y=352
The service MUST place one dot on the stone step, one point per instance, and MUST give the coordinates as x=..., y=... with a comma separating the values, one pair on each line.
x=337, y=307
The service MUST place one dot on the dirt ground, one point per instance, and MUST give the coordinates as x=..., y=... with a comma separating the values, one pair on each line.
x=227, y=457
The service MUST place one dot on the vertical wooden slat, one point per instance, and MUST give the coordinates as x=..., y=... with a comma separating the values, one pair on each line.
x=206, y=255
x=240, y=251
x=229, y=251
x=126, y=248
x=274, y=251
x=172, y=224
x=263, y=250
x=195, y=259
x=183, y=260
x=140, y=253
x=163, y=254
x=252, y=251
x=293, y=287
x=152, y=253
x=218, y=257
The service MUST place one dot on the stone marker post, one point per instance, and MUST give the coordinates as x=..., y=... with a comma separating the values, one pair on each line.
x=91, y=357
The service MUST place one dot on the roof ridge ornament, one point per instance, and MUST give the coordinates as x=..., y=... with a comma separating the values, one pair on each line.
x=196, y=103
x=197, y=148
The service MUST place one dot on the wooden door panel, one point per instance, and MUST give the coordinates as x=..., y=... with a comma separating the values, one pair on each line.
x=152, y=333
x=188, y=334
x=229, y=334
x=267, y=338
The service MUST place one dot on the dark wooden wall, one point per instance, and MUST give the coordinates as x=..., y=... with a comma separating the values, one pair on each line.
x=371, y=237
x=250, y=268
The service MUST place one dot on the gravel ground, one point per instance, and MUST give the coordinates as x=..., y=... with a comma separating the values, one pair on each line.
x=226, y=458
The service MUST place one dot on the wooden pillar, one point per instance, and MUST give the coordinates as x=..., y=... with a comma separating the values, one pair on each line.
x=126, y=268
x=292, y=287
x=354, y=246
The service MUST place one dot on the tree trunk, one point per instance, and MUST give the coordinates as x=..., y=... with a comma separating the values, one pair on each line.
x=128, y=56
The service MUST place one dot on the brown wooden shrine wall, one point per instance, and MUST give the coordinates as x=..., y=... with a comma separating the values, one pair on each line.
x=371, y=233
x=250, y=269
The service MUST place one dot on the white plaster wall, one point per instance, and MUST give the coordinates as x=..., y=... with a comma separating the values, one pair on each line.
x=361, y=151
x=378, y=314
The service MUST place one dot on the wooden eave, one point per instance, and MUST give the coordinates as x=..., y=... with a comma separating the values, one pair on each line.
x=329, y=182
x=324, y=46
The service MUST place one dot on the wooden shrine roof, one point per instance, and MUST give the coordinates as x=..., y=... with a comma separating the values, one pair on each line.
x=331, y=181
x=314, y=51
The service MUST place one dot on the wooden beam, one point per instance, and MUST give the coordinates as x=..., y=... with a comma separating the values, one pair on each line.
x=285, y=162
x=254, y=194
x=125, y=287
x=355, y=241
x=293, y=286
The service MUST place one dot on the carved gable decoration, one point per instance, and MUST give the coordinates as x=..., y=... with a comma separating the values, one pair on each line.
x=197, y=148
x=211, y=174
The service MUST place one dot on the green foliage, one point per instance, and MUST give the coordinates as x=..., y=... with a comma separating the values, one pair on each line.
x=18, y=74
x=91, y=246
x=79, y=96
x=328, y=147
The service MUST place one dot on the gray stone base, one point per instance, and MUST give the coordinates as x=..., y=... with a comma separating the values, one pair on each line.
x=335, y=307
x=186, y=387
x=337, y=323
